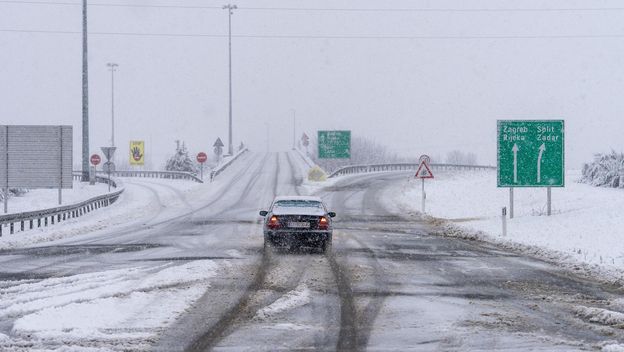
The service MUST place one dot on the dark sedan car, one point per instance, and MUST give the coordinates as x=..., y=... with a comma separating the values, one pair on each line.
x=298, y=220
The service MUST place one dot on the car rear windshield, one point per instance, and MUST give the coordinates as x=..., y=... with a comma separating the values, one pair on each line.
x=298, y=204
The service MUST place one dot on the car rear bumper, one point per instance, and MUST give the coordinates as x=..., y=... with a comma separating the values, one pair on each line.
x=298, y=236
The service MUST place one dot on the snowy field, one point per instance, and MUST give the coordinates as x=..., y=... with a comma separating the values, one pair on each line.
x=38, y=199
x=111, y=310
x=103, y=304
x=586, y=226
x=134, y=205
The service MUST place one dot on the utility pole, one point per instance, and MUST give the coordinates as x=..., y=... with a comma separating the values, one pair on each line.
x=294, y=128
x=230, y=9
x=85, y=96
x=112, y=67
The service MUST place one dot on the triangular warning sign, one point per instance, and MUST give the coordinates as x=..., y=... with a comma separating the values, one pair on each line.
x=423, y=171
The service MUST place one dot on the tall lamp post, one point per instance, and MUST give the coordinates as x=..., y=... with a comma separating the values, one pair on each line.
x=230, y=9
x=85, y=96
x=112, y=67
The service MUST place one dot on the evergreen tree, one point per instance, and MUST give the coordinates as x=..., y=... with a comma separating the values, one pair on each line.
x=181, y=161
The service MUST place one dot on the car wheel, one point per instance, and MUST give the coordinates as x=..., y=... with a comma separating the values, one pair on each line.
x=267, y=242
x=326, y=245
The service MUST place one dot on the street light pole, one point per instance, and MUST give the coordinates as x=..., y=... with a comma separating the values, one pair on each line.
x=112, y=67
x=85, y=96
x=230, y=9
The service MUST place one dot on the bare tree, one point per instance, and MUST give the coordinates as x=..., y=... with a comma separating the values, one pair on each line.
x=458, y=157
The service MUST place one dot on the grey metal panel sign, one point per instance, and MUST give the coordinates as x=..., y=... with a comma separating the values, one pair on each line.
x=36, y=156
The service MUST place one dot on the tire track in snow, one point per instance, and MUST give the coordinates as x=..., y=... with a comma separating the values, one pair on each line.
x=234, y=315
x=251, y=301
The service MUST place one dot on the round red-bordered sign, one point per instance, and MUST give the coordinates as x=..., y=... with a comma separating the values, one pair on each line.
x=95, y=159
x=202, y=157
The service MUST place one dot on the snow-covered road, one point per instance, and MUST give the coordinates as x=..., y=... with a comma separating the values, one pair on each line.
x=180, y=267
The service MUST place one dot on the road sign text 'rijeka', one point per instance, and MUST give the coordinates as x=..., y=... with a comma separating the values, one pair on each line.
x=531, y=153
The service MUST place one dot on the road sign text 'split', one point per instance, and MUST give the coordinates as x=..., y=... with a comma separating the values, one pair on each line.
x=531, y=153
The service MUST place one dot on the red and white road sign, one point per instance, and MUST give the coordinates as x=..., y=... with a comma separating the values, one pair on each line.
x=305, y=140
x=95, y=159
x=425, y=158
x=202, y=157
x=423, y=171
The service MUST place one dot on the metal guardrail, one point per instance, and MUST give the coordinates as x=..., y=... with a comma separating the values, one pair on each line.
x=175, y=175
x=356, y=169
x=219, y=169
x=51, y=216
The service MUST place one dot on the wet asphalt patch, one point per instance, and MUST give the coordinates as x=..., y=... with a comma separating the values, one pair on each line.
x=25, y=276
x=94, y=249
x=173, y=259
x=207, y=222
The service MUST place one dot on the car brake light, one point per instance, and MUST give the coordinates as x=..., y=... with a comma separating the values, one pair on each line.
x=273, y=222
x=323, y=223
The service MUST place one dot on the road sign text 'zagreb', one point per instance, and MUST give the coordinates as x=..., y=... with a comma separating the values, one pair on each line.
x=531, y=153
x=334, y=144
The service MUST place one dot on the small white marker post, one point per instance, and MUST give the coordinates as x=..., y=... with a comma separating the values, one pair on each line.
x=504, y=217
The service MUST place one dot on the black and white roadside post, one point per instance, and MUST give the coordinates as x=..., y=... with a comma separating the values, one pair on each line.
x=504, y=218
x=423, y=172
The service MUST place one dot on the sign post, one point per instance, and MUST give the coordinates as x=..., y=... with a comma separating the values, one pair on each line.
x=95, y=161
x=201, y=159
x=334, y=144
x=108, y=153
x=422, y=173
x=305, y=141
x=218, y=148
x=531, y=154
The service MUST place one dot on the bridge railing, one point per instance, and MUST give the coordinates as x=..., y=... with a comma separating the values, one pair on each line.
x=175, y=175
x=38, y=218
x=219, y=169
x=356, y=169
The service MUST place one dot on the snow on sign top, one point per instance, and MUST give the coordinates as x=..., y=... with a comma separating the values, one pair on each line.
x=423, y=171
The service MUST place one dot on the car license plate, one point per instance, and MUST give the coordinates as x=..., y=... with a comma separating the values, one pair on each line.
x=299, y=225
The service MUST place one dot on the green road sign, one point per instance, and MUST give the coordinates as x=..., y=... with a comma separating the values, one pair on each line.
x=530, y=153
x=334, y=144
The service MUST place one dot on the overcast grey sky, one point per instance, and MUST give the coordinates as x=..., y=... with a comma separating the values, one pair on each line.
x=419, y=81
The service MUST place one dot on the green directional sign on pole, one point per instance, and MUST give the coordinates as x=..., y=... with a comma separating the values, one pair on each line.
x=334, y=144
x=531, y=153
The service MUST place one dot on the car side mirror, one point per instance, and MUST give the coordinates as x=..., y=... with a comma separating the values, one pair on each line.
x=331, y=214
x=263, y=213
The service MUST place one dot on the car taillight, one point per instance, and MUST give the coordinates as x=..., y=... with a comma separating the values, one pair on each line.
x=323, y=223
x=273, y=222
